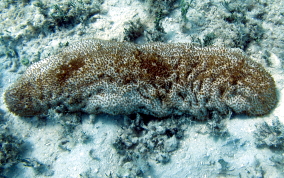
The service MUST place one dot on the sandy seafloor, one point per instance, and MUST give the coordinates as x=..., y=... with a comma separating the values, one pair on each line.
x=58, y=145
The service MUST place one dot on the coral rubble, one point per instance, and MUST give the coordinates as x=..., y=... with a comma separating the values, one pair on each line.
x=270, y=136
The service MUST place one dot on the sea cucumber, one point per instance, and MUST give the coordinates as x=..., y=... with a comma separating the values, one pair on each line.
x=158, y=79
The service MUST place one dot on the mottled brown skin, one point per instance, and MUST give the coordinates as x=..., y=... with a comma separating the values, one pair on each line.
x=165, y=78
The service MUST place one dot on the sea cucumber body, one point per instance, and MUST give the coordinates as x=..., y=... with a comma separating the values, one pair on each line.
x=158, y=79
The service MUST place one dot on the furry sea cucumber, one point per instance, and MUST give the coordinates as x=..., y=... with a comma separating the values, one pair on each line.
x=158, y=79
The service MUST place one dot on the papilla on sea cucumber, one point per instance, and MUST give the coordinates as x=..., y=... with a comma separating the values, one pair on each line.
x=97, y=76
